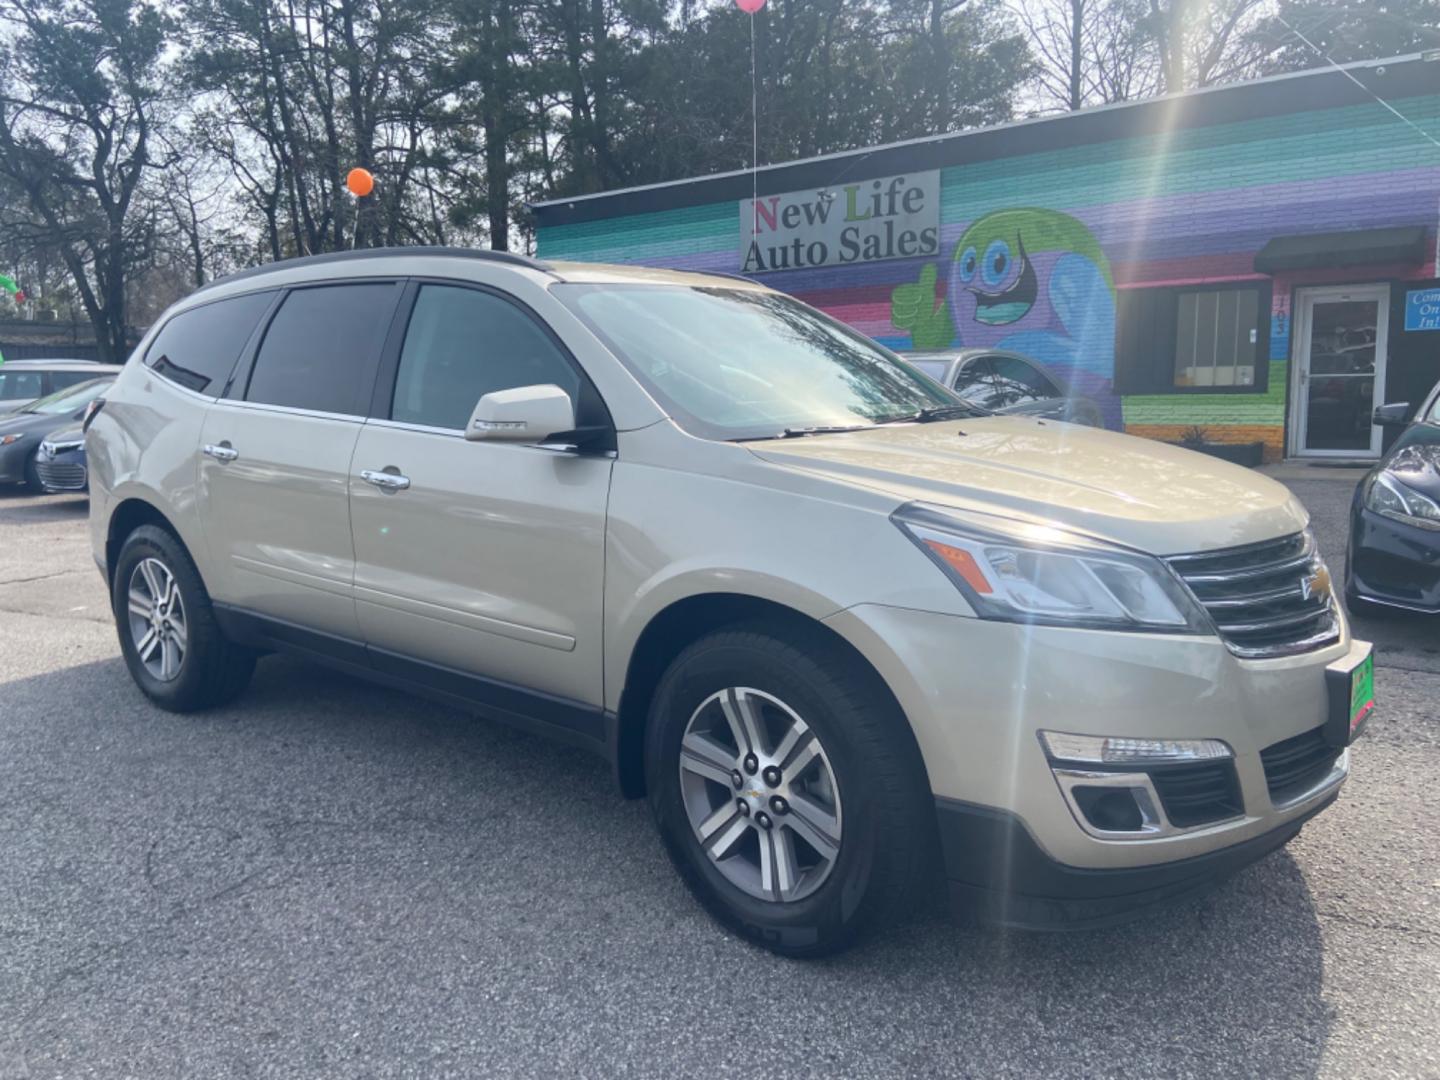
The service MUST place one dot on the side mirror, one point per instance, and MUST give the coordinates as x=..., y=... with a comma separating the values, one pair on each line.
x=528, y=414
x=1393, y=414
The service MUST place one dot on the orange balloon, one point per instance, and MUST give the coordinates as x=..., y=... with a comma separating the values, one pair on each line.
x=360, y=182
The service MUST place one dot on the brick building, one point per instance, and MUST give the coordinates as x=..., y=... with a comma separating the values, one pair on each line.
x=1258, y=260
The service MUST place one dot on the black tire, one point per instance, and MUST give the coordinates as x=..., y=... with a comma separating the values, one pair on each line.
x=888, y=849
x=214, y=669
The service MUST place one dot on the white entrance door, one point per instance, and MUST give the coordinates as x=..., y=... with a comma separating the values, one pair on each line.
x=1340, y=336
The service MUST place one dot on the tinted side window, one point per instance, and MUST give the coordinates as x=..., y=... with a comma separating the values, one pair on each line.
x=1018, y=382
x=59, y=380
x=197, y=349
x=20, y=385
x=463, y=344
x=976, y=382
x=321, y=348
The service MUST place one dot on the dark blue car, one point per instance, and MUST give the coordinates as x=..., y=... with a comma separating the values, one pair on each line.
x=1393, y=561
x=60, y=461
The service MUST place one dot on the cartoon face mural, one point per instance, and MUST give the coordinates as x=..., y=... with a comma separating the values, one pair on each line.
x=1031, y=280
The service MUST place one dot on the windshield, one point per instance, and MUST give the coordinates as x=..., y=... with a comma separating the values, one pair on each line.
x=71, y=399
x=739, y=364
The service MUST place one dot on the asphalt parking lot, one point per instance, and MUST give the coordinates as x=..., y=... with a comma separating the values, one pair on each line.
x=329, y=879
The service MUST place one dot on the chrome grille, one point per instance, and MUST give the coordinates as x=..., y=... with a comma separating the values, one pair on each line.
x=60, y=477
x=1267, y=599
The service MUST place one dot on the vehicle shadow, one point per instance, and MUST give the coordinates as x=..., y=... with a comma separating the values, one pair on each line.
x=387, y=875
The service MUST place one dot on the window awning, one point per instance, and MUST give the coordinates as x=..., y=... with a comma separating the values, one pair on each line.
x=1358, y=247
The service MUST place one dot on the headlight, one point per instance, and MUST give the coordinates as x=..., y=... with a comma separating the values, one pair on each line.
x=1390, y=498
x=6, y=440
x=1039, y=574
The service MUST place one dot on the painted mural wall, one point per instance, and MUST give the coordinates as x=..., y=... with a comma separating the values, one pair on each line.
x=1035, y=248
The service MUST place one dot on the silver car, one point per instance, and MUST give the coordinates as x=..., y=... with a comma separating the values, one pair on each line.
x=23, y=381
x=845, y=632
x=1007, y=382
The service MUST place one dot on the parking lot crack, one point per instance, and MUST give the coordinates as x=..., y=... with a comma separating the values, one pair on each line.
x=38, y=577
x=1378, y=924
x=9, y=610
x=100, y=955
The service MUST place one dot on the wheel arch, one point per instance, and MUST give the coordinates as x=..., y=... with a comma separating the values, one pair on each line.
x=674, y=628
x=129, y=514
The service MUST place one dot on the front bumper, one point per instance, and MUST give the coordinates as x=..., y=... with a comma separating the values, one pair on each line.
x=65, y=472
x=999, y=873
x=978, y=693
x=1393, y=563
x=14, y=457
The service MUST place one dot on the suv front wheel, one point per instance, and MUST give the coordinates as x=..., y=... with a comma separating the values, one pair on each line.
x=168, y=633
x=787, y=788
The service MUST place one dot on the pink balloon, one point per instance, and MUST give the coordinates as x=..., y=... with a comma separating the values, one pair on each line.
x=749, y=6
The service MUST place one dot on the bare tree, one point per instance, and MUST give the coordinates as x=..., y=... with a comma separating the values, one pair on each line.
x=1058, y=33
x=1204, y=42
x=1090, y=52
x=1124, y=65
x=81, y=83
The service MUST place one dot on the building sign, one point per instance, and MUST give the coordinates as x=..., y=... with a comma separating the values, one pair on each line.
x=895, y=217
x=1422, y=309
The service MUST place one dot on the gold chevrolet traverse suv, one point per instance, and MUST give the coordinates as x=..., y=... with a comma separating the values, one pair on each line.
x=846, y=632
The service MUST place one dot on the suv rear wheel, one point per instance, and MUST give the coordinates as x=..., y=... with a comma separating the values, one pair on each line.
x=787, y=789
x=168, y=633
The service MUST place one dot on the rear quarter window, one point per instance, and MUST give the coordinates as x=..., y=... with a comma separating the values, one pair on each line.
x=197, y=349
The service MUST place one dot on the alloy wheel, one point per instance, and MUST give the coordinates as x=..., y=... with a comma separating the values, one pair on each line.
x=157, y=619
x=760, y=794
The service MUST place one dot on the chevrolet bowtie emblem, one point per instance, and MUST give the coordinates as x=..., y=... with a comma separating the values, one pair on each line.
x=1315, y=584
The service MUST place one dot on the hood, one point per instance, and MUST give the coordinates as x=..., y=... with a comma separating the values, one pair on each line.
x=71, y=432
x=1144, y=494
x=33, y=423
x=1415, y=458
x=29, y=422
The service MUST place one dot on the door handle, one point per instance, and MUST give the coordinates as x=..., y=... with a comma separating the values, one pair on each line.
x=385, y=481
x=222, y=453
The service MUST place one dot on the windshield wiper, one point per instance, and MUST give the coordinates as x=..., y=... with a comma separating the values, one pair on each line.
x=801, y=432
x=820, y=429
x=920, y=416
x=933, y=413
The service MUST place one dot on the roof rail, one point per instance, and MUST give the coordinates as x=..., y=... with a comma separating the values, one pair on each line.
x=507, y=257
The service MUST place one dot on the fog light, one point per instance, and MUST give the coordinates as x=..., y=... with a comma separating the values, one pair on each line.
x=1113, y=750
x=1112, y=805
x=1109, y=809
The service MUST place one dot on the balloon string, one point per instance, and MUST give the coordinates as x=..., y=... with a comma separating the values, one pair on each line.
x=754, y=141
